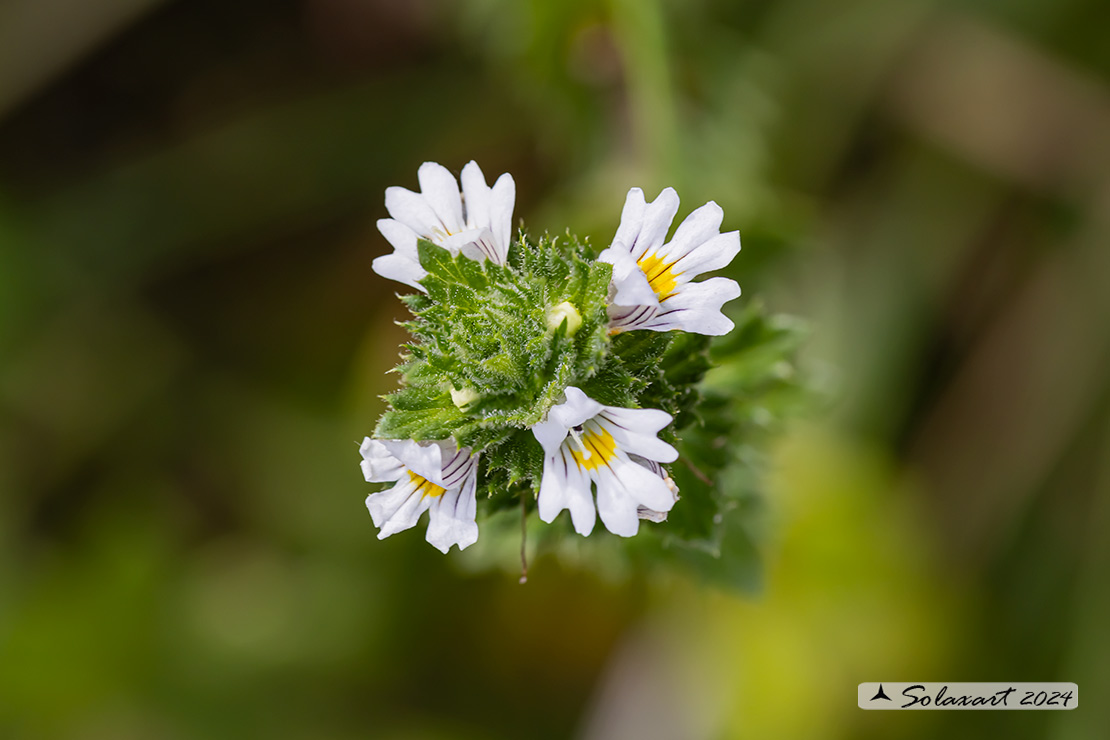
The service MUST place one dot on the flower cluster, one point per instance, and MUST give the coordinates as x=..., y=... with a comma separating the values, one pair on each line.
x=531, y=361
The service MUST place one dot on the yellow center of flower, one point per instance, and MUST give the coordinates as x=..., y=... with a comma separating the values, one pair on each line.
x=594, y=448
x=660, y=277
x=424, y=486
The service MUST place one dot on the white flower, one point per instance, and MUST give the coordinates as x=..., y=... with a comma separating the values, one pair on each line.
x=476, y=222
x=651, y=286
x=433, y=476
x=587, y=444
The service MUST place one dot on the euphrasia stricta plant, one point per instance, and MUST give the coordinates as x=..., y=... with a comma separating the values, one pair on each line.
x=546, y=375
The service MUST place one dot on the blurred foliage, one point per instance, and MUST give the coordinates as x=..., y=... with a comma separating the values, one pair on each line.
x=192, y=341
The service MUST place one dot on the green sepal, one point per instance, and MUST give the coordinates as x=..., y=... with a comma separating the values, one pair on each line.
x=458, y=271
x=513, y=468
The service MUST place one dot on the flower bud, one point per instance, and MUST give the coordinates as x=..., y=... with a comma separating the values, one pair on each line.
x=564, y=310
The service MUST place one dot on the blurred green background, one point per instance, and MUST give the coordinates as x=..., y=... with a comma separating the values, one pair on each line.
x=192, y=342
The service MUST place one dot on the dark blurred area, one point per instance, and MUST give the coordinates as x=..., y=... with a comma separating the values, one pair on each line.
x=192, y=343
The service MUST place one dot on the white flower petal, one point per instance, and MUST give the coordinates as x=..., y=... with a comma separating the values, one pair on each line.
x=400, y=268
x=643, y=226
x=580, y=501
x=554, y=486
x=461, y=242
x=713, y=254
x=403, y=265
x=632, y=220
x=697, y=308
x=441, y=190
x=627, y=489
x=699, y=227
x=566, y=486
x=616, y=506
x=647, y=488
x=413, y=211
x=582, y=513
x=404, y=517
x=476, y=196
x=384, y=504
x=502, y=202
x=550, y=434
x=425, y=459
x=458, y=465
x=575, y=409
x=634, y=431
x=638, y=421
x=400, y=236
x=628, y=286
x=378, y=465
x=628, y=318
x=451, y=517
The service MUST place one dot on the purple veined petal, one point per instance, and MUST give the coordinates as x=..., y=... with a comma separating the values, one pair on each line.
x=458, y=464
x=629, y=318
x=697, y=307
x=441, y=190
x=651, y=465
x=637, y=421
x=695, y=321
x=651, y=515
x=646, y=487
x=628, y=286
x=655, y=515
x=451, y=517
x=457, y=242
x=423, y=459
x=635, y=433
x=699, y=227
x=713, y=254
x=480, y=246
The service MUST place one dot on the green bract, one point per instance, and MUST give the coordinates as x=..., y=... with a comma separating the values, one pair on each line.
x=486, y=365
